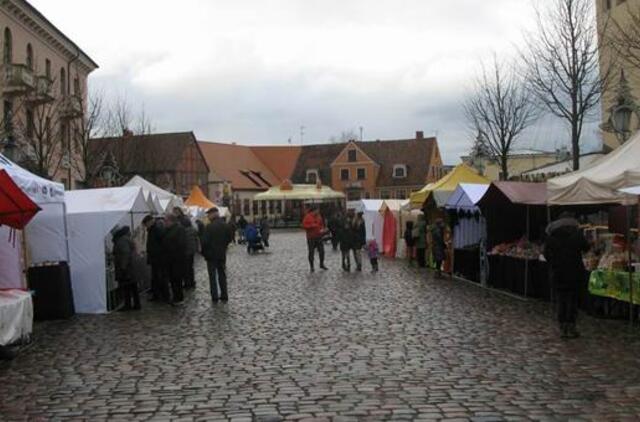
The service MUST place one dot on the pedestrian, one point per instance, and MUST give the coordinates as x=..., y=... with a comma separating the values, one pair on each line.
x=313, y=224
x=374, y=252
x=359, y=239
x=216, y=240
x=344, y=236
x=438, y=245
x=192, y=245
x=234, y=228
x=265, y=231
x=200, y=227
x=420, y=234
x=335, y=225
x=410, y=242
x=174, y=244
x=123, y=256
x=155, y=258
x=242, y=225
x=564, y=246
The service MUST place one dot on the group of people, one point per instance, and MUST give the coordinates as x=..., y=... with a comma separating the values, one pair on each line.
x=172, y=243
x=348, y=232
x=419, y=236
x=255, y=234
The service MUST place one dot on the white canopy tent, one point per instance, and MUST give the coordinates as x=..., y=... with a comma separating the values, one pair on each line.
x=166, y=199
x=45, y=235
x=92, y=214
x=373, y=219
x=471, y=227
x=154, y=204
x=635, y=190
x=600, y=182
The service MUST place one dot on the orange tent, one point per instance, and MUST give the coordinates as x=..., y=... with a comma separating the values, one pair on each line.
x=198, y=199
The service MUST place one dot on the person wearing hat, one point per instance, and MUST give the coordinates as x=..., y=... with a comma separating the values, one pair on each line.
x=215, y=241
x=563, y=250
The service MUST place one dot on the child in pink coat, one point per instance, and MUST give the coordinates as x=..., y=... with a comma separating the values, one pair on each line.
x=373, y=252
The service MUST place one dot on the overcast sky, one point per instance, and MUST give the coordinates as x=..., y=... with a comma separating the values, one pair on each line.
x=254, y=71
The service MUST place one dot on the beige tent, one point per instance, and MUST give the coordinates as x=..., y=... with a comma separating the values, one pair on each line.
x=600, y=182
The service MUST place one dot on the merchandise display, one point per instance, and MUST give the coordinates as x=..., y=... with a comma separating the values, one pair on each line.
x=522, y=249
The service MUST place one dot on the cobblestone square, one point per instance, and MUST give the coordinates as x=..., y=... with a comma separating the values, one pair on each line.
x=397, y=345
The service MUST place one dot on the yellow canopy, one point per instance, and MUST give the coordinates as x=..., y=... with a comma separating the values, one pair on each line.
x=461, y=174
x=299, y=192
x=198, y=199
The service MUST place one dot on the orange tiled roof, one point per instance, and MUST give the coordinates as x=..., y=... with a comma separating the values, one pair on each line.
x=281, y=160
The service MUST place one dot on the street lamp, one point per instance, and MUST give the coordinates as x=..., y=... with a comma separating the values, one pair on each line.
x=621, y=113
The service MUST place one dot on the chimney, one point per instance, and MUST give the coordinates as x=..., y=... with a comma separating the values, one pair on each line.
x=419, y=135
x=126, y=133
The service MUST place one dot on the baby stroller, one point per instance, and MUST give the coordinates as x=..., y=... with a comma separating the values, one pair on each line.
x=253, y=239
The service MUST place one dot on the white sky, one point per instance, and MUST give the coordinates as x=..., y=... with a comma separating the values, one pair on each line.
x=254, y=71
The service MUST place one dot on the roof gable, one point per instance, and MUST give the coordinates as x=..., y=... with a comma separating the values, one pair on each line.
x=343, y=156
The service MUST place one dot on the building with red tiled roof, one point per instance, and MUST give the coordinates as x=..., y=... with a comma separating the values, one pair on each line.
x=373, y=169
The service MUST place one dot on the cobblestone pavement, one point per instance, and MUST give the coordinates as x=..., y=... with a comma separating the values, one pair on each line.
x=397, y=345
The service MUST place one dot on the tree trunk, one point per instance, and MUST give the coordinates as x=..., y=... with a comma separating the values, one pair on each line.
x=505, y=168
x=575, y=146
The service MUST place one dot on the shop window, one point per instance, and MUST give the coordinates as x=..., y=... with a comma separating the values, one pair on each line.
x=362, y=174
x=344, y=174
x=352, y=155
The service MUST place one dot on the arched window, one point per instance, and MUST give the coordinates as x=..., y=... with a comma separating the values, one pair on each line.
x=29, y=56
x=7, y=57
x=47, y=68
x=63, y=81
x=76, y=86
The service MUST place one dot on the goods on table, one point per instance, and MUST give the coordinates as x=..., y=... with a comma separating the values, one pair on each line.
x=522, y=249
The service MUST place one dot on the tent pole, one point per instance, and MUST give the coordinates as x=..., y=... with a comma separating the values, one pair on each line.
x=526, y=261
x=630, y=268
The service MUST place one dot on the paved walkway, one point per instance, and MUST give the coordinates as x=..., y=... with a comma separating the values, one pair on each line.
x=396, y=345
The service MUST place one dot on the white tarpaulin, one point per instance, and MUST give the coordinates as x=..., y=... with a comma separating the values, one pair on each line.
x=45, y=233
x=373, y=219
x=600, y=182
x=91, y=215
x=471, y=226
x=166, y=199
x=635, y=190
x=16, y=316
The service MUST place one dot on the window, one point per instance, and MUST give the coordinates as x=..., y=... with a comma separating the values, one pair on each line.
x=30, y=123
x=367, y=195
x=385, y=194
x=312, y=177
x=344, y=174
x=399, y=171
x=401, y=194
x=354, y=196
x=76, y=86
x=63, y=81
x=352, y=156
x=47, y=68
x=7, y=54
x=255, y=207
x=246, y=207
x=29, y=57
x=8, y=116
x=362, y=174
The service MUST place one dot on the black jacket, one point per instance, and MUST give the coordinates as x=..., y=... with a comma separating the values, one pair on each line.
x=216, y=239
x=359, y=233
x=346, y=235
x=123, y=250
x=563, y=251
x=154, y=244
x=174, y=243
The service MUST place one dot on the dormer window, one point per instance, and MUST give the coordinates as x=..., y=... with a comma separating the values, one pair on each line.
x=399, y=171
x=312, y=176
x=352, y=156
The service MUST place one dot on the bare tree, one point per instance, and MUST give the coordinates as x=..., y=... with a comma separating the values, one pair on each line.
x=562, y=66
x=499, y=110
x=345, y=136
x=88, y=160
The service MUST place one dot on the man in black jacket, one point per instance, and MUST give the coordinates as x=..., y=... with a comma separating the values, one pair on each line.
x=563, y=251
x=215, y=241
x=123, y=255
x=174, y=244
x=155, y=258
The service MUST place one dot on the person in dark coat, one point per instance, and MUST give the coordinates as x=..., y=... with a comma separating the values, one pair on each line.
x=242, y=225
x=123, y=255
x=359, y=239
x=192, y=246
x=410, y=242
x=265, y=231
x=345, y=238
x=200, y=227
x=438, y=245
x=563, y=249
x=335, y=226
x=216, y=240
x=155, y=258
x=174, y=244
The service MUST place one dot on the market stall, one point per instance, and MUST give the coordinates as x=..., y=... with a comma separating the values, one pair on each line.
x=166, y=199
x=396, y=214
x=516, y=216
x=92, y=216
x=373, y=219
x=294, y=198
x=16, y=306
x=469, y=230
